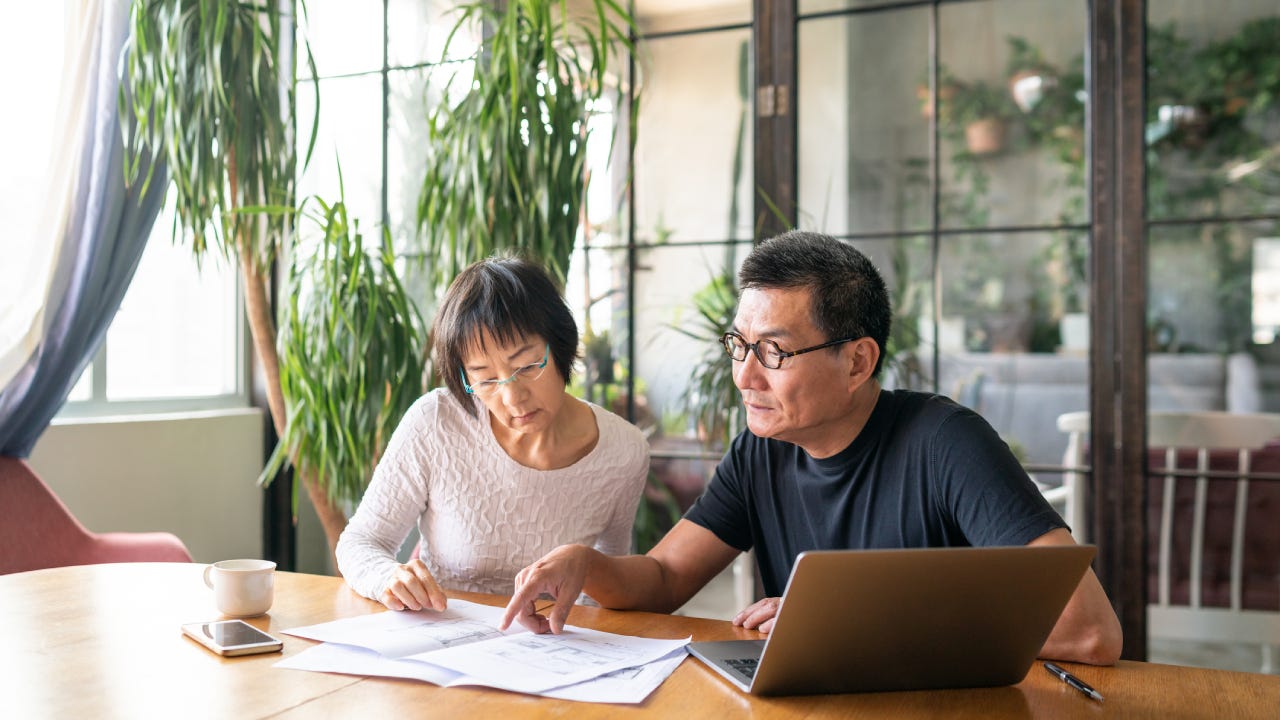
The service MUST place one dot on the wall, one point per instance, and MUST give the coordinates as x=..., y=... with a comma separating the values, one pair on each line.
x=192, y=474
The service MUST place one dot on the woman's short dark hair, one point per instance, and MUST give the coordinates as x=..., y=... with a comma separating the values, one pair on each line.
x=849, y=297
x=510, y=298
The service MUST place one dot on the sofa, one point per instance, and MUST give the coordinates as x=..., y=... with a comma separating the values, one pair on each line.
x=1022, y=394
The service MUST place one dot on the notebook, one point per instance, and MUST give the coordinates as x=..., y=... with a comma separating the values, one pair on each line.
x=878, y=620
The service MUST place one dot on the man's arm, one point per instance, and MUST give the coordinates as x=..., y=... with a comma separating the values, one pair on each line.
x=684, y=561
x=1088, y=630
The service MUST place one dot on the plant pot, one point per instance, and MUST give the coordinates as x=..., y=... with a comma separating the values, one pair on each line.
x=1028, y=88
x=1186, y=125
x=1008, y=332
x=984, y=136
x=946, y=94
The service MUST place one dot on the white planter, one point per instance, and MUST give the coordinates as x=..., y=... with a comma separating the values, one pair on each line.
x=949, y=339
x=1074, y=329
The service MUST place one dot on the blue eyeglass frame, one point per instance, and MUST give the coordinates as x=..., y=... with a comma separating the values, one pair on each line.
x=514, y=376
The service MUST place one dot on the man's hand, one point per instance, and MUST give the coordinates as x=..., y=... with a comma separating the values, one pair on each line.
x=560, y=574
x=760, y=615
x=413, y=588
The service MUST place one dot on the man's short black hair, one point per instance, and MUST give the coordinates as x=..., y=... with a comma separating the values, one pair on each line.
x=510, y=298
x=849, y=297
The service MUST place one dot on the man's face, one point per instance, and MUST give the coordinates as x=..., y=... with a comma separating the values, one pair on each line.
x=803, y=401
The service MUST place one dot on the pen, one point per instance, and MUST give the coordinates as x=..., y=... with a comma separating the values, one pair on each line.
x=1072, y=680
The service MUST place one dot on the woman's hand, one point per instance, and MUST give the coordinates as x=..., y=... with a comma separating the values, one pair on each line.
x=413, y=588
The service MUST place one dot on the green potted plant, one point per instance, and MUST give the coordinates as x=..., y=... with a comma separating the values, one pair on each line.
x=1030, y=75
x=947, y=87
x=983, y=112
x=353, y=356
x=711, y=398
x=506, y=159
x=213, y=95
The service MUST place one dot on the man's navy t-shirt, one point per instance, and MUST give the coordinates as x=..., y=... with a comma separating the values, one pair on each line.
x=924, y=472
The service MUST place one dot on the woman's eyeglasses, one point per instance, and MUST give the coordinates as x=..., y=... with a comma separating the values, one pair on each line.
x=485, y=388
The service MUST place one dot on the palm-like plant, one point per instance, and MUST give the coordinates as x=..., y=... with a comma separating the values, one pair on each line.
x=711, y=397
x=352, y=358
x=210, y=84
x=505, y=167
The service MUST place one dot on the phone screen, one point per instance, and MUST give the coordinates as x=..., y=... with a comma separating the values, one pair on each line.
x=234, y=632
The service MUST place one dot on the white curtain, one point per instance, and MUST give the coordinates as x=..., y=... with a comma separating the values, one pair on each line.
x=41, y=145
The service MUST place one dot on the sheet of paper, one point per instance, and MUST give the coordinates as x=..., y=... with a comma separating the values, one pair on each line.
x=351, y=660
x=629, y=685
x=464, y=640
x=398, y=634
x=534, y=663
x=626, y=686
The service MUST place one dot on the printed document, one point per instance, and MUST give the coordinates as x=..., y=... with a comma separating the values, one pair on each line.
x=463, y=646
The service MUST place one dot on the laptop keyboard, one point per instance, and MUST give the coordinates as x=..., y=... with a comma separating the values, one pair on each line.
x=745, y=667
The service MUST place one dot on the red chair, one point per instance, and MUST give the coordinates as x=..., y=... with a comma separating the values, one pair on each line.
x=38, y=531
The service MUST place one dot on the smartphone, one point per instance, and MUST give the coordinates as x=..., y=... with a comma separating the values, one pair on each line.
x=232, y=637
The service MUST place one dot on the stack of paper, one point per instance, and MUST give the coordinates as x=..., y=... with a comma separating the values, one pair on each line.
x=463, y=646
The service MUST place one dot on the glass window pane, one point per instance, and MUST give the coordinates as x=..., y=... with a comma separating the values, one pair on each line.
x=1205, y=293
x=680, y=315
x=1004, y=301
x=1212, y=109
x=693, y=157
x=864, y=144
x=417, y=32
x=807, y=7
x=345, y=37
x=409, y=102
x=350, y=131
x=176, y=332
x=661, y=16
x=1012, y=111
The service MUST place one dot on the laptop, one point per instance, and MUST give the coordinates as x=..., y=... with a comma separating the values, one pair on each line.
x=916, y=619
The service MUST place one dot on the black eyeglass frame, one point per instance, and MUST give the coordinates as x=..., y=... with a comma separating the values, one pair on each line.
x=726, y=342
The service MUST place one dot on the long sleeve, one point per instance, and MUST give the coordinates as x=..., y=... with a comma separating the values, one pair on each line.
x=482, y=515
x=397, y=496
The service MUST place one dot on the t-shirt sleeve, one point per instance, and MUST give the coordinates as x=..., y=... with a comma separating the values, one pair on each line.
x=988, y=494
x=722, y=508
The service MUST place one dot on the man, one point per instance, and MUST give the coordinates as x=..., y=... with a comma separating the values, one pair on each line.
x=829, y=460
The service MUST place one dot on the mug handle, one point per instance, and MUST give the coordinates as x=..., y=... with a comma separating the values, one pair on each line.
x=208, y=569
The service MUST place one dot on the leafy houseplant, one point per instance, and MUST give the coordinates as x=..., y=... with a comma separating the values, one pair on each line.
x=506, y=161
x=212, y=93
x=711, y=398
x=352, y=361
x=983, y=111
x=1030, y=75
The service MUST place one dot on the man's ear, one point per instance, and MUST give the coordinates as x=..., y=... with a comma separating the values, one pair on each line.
x=866, y=353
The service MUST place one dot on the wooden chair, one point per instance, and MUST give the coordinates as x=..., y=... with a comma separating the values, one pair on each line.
x=1213, y=536
x=38, y=531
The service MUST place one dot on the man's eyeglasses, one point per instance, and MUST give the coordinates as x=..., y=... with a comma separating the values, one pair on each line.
x=767, y=351
x=485, y=388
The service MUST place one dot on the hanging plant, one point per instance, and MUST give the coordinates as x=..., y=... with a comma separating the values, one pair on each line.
x=1030, y=75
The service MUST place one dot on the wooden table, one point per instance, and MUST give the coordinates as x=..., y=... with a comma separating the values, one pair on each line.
x=103, y=641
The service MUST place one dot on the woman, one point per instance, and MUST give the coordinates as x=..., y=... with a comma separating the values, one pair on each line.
x=501, y=466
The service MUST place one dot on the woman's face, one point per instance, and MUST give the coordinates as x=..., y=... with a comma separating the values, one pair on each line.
x=522, y=405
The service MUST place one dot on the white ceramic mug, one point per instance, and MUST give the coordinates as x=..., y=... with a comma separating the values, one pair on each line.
x=242, y=588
